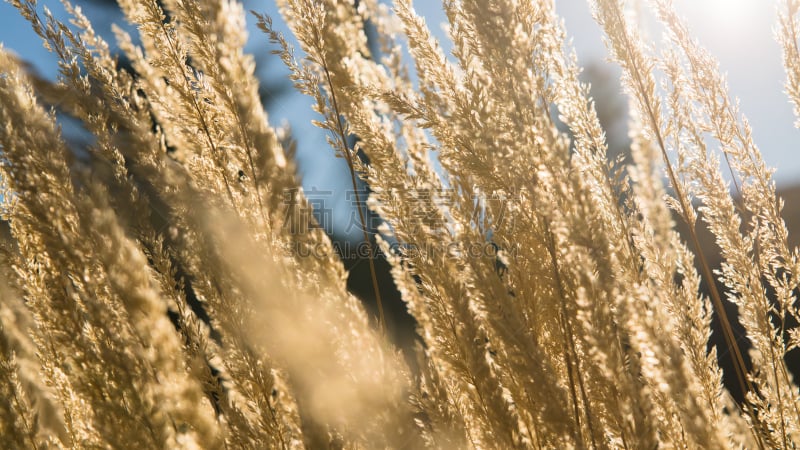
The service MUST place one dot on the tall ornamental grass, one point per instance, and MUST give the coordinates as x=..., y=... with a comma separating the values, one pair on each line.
x=167, y=286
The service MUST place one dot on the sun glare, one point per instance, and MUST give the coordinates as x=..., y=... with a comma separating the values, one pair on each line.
x=728, y=12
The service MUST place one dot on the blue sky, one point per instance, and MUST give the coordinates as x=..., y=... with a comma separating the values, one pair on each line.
x=738, y=32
